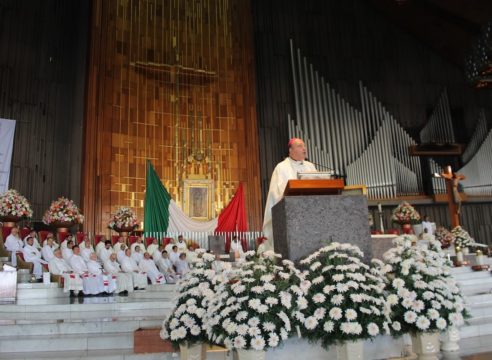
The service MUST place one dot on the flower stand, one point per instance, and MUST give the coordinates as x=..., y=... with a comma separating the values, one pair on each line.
x=194, y=352
x=449, y=339
x=350, y=350
x=250, y=355
x=426, y=345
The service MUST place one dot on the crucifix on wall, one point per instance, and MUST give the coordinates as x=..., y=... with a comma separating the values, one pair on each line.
x=454, y=198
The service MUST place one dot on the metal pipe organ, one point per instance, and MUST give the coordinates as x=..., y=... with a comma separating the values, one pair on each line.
x=368, y=146
x=439, y=128
x=478, y=170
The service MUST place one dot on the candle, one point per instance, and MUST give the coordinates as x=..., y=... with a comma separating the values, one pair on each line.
x=479, y=258
x=380, y=208
x=459, y=255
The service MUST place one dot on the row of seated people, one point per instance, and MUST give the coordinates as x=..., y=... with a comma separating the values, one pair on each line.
x=106, y=269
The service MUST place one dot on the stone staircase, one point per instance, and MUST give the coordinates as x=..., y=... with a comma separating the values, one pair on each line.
x=45, y=323
x=477, y=290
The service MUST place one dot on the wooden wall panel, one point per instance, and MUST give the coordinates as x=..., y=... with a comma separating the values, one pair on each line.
x=172, y=82
x=42, y=76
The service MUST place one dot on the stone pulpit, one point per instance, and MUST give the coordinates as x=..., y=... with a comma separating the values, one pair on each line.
x=304, y=223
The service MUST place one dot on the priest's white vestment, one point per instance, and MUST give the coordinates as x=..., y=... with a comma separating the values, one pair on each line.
x=33, y=255
x=129, y=265
x=71, y=281
x=124, y=281
x=155, y=276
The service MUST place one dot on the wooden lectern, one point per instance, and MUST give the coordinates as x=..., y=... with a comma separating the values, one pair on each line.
x=314, y=187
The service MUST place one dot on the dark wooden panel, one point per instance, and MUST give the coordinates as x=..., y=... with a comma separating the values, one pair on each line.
x=42, y=75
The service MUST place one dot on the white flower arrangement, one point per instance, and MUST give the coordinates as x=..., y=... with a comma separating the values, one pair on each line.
x=405, y=214
x=461, y=237
x=186, y=322
x=345, y=298
x=254, y=309
x=63, y=210
x=422, y=294
x=123, y=218
x=444, y=236
x=14, y=204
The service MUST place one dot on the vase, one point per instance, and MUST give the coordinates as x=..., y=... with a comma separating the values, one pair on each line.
x=426, y=345
x=465, y=250
x=195, y=351
x=62, y=226
x=449, y=339
x=350, y=350
x=10, y=220
x=418, y=229
x=251, y=354
x=406, y=228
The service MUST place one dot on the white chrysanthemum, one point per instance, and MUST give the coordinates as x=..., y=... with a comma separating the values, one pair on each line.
x=319, y=298
x=273, y=340
x=335, y=313
x=328, y=326
x=396, y=326
x=286, y=299
x=238, y=289
x=254, y=303
x=350, y=314
x=258, y=343
x=410, y=317
x=398, y=283
x=433, y=314
x=284, y=334
x=356, y=298
x=338, y=277
x=372, y=329
x=239, y=342
x=436, y=304
x=392, y=299
x=342, y=288
x=254, y=321
x=456, y=319
x=268, y=326
x=254, y=331
x=195, y=330
x=337, y=299
x=318, y=280
x=271, y=301
x=310, y=323
x=242, y=329
x=328, y=289
x=418, y=306
x=257, y=289
x=427, y=295
x=407, y=303
x=319, y=313
x=315, y=266
x=441, y=324
x=422, y=322
x=302, y=302
x=262, y=309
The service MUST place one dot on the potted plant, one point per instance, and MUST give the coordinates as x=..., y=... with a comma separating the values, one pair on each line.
x=185, y=326
x=63, y=214
x=462, y=239
x=253, y=311
x=423, y=296
x=444, y=236
x=14, y=207
x=405, y=215
x=123, y=221
x=345, y=301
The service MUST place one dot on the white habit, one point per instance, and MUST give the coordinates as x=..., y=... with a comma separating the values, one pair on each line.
x=13, y=244
x=47, y=252
x=124, y=281
x=129, y=265
x=148, y=266
x=283, y=172
x=33, y=255
x=71, y=280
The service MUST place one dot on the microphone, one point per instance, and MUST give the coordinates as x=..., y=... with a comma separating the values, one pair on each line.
x=328, y=169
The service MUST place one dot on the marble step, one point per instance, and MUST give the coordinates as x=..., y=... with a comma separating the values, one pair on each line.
x=477, y=327
x=72, y=342
x=86, y=327
x=111, y=354
x=473, y=300
x=39, y=291
x=472, y=275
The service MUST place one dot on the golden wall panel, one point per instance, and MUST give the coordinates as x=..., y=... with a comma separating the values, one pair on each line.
x=171, y=81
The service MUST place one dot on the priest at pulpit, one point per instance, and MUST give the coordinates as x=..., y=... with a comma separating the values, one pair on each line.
x=283, y=172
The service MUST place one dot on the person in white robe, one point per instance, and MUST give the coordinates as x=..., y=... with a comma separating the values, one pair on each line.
x=55, y=243
x=237, y=248
x=86, y=244
x=106, y=252
x=121, y=241
x=426, y=224
x=121, y=253
x=153, y=248
x=33, y=255
x=181, y=265
x=67, y=252
x=34, y=235
x=157, y=254
x=169, y=247
x=48, y=251
x=137, y=254
x=181, y=244
x=129, y=265
x=86, y=253
x=147, y=265
x=101, y=245
x=58, y=266
x=95, y=270
x=139, y=243
x=174, y=255
x=166, y=267
x=92, y=284
x=14, y=244
x=65, y=241
x=261, y=245
x=283, y=172
x=124, y=281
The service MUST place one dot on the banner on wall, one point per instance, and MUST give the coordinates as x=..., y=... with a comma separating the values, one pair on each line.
x=7, y=130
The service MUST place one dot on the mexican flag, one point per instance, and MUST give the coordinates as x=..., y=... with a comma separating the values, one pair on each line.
x=162, y=214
